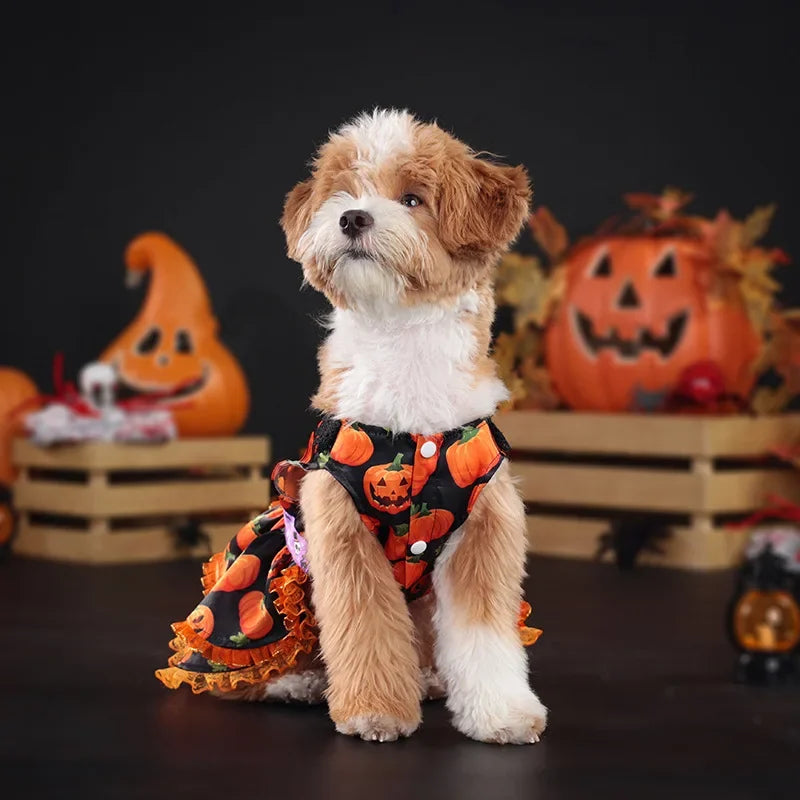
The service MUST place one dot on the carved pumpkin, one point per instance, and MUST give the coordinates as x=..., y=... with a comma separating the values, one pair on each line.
x=636, y=313
x=473, y=455
x=353, y=446
x=201, y=621
x=767, y=621
x=239, y=575
x=15, y=389
x=388, y=486
x=171, y=351
x=254, y=619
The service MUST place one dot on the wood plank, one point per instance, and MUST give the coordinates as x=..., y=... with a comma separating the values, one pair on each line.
x=742, y=436
x=611, y=487
x=647, y=435
x=747, y=490
x=167, y=497
x=180, y=453
x=150, y=544
x=566, y=537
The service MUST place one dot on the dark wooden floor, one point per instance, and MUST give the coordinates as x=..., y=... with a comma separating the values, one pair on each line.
x=634, y=667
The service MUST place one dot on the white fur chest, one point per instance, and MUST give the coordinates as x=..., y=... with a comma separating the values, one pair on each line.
x=411, y=370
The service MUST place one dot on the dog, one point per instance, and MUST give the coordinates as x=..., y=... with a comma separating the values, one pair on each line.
x=413, y=531
x=400, y=226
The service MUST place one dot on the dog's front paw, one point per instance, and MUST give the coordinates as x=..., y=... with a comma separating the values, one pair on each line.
x=517, y=720
x=377, y=727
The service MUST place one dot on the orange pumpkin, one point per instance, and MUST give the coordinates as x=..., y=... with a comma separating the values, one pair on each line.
x=428, y=524
x=201, y=621
x=239, y=575
x=473, y=455
x=424, y=467
x=7, y=523
x=388, y=486
x=171, y=350
x=767, y=621
x=407, y=573
x=254, y=619
x=371, y=523
x=16, y=388
x=476, y=493
x=245, y=536
x=395, y=547
x=635, y=313
x=352, y=447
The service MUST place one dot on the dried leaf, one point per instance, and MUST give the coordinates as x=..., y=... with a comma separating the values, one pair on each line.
x=756, y=225
x=549, y=233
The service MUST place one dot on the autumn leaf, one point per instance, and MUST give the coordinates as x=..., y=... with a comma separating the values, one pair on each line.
x=549, y=234
x=658, y=207
x=756, y=225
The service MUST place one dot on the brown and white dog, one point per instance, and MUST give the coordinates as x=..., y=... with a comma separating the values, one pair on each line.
x=400, y=226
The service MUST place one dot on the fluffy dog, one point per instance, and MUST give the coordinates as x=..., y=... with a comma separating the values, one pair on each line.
x=400, y=226
x=401, y=510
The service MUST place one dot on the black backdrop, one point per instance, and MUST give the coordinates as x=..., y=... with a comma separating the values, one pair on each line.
x=121, y=118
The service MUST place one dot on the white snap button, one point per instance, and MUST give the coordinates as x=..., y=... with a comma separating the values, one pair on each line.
x=428, y=449
x=418, y=548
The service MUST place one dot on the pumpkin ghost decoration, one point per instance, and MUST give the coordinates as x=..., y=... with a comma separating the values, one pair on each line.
x=639, y=306
x=170, y=352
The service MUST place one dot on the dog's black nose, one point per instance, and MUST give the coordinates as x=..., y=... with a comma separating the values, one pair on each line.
x=354, y=222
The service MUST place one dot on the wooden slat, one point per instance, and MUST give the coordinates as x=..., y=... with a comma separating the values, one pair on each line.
x=180, y=453
x=141, y=545
x=647, y=435
x=611, y=487
x=743, y=436
x=747, y=490
x=566, y=537
x=168, y=497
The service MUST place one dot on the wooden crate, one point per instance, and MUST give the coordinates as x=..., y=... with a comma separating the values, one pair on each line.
x=578, y=470
x=104, y=503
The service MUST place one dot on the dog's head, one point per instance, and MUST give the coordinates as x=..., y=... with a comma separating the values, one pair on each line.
x=398, y=211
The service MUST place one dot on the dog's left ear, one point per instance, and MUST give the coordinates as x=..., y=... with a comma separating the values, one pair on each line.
x=296, y=216
x=482, y=207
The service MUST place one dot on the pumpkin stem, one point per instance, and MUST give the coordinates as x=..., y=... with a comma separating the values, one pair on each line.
x=401, y=530
x=396, y=465
x=421, y=511
x=470, y=432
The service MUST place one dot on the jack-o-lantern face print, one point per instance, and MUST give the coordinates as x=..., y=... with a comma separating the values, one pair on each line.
x=387, y=487
x=170, y=352
x=635, y=315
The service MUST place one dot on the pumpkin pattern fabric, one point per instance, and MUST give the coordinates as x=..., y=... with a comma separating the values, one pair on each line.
x=412, y=493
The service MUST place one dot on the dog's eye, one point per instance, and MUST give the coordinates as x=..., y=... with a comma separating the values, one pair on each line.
x=410, y=200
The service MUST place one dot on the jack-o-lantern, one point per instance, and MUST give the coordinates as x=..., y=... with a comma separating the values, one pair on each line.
x=388, y=486
x=16, y=389
x=170, y=352
x=636, y=312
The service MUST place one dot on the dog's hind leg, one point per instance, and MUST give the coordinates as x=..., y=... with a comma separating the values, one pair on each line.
x=366, y=633
x=478, y=649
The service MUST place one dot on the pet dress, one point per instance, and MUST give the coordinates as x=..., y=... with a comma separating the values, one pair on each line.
x=412, y=493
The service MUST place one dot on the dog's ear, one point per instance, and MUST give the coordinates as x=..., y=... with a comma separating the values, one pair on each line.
x=482, y=207
x=296, y=215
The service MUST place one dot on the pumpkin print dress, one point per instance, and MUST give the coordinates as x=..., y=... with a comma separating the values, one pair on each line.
x=412, y=492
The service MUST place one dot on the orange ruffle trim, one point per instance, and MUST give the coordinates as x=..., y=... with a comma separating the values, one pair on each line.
x=527, y=636
x=251, y=666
